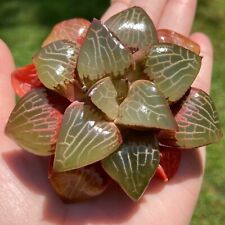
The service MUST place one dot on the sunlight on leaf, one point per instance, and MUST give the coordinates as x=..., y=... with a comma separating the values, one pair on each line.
x=133, y=27
x=55, y=64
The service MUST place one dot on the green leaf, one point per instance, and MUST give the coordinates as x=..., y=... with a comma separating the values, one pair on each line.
x=84, y=138
x=172, y=68
x=122, y=87
x=104, y=96
x=133, y=27
x=55, y=64
x=80, y=184
x=34, y=122
x=134, y=164
x=197, y=119
x=144, y=107
x=102, y=55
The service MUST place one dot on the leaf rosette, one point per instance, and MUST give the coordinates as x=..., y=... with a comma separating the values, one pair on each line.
x=112, y=100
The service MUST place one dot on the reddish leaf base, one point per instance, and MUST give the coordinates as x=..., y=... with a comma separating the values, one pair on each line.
x=169, y=36
x=169, y=162
x=79, y=184
x=24, y=79
x=73, y=30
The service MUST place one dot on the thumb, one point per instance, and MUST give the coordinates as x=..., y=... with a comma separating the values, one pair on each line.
x=7, y=96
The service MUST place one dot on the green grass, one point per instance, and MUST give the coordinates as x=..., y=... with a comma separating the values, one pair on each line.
x=211, y=207
x=24, y=24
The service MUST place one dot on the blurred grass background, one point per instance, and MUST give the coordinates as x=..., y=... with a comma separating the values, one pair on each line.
x=24, y=24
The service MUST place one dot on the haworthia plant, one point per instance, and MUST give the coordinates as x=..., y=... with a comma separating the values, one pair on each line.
x=130, y=110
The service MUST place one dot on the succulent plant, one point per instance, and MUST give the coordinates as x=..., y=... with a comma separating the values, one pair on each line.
x=111, y=100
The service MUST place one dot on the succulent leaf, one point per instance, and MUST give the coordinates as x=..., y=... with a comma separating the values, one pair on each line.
x=34, y=122
x=169, y=36
x=84, y=138
x=172, y=68
x=101, y=55
x=24, y=79
x=197, y=119
x=104, y=96
x=133, y=27
x=71, y=30
x=134, y=164
x=145, y=107
x=20, y=87
x=55, y=64
x=80, y=184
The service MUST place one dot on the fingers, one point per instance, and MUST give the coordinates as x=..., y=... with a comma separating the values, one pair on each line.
x=154, y=8
x=7, y=97
x=127, y=2
x=203, y=80
x=178, y=15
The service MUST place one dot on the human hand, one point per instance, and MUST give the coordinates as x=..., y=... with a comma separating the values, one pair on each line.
x=25, y=193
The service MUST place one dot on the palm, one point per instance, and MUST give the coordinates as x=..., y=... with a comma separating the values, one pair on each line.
x=26, y=196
